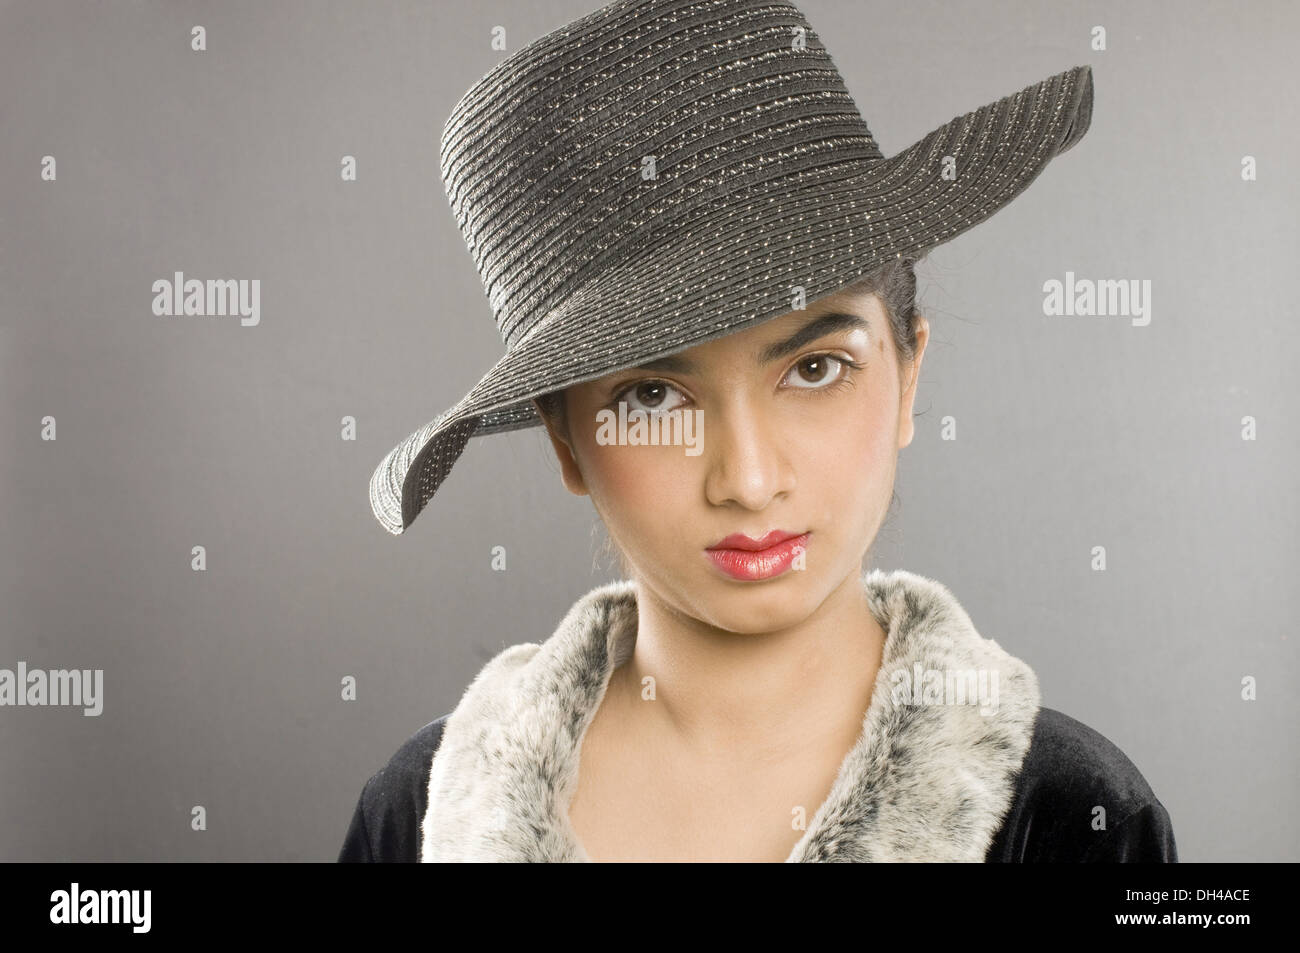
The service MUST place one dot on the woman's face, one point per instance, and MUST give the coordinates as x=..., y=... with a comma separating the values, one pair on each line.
x=788, y=436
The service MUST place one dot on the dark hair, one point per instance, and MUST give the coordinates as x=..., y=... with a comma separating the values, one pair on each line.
x=895, y=284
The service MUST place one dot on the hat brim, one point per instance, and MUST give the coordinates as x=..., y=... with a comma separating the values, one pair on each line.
x=734, y=264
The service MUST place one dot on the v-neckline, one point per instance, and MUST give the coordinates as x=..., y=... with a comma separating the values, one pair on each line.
x=922, y=781
x=622, y=648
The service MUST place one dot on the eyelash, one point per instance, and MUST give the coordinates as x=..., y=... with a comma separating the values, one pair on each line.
x=846, y=379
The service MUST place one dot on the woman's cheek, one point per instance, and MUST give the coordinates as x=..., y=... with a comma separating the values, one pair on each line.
x=638, y=483
x=659, y=479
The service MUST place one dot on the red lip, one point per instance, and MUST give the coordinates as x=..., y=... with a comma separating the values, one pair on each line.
x=740, y=557
x=748, y=544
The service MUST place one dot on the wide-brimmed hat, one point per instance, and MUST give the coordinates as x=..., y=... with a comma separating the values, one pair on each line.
x=660, y=173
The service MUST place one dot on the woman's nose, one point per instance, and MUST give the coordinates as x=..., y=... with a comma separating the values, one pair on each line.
x=746, y=462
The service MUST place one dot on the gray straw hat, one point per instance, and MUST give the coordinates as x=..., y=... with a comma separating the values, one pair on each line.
x=660, y=173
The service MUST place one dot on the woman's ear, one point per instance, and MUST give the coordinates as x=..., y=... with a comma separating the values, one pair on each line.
x=911, y=374
x=569, y=470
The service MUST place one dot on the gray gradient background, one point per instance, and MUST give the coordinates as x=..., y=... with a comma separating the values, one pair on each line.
x=222, y=688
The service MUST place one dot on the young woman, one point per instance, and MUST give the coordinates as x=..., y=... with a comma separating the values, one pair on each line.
x=747, y=692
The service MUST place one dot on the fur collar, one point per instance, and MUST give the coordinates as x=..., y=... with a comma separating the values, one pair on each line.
x=924, y=782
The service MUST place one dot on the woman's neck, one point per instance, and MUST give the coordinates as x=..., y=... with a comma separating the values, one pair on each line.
x=752, y=695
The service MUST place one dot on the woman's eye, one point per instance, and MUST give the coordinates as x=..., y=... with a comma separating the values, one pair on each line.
x=650, y=396
x=817, y=370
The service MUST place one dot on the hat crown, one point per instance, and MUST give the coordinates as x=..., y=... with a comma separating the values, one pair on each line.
x=609, y=136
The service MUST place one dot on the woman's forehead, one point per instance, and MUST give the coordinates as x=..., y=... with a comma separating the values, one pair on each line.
x=858, y=311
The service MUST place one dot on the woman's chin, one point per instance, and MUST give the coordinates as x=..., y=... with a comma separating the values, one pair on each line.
x=755, y=607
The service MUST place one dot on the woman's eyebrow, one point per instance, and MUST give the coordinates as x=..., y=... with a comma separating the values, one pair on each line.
x=814, y=329
x=818, y=327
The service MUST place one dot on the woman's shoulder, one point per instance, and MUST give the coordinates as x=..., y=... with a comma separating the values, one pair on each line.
x=385, y=825
x=1078, y=797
